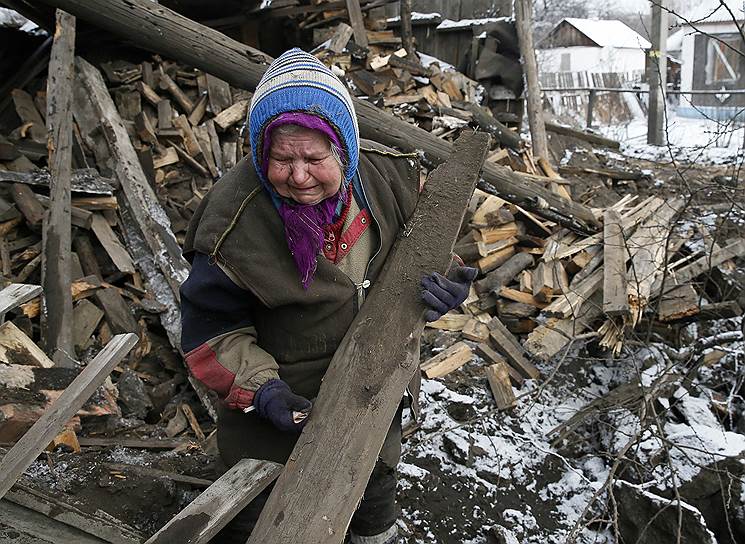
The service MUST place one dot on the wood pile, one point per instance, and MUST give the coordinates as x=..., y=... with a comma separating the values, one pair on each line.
x=542, y=289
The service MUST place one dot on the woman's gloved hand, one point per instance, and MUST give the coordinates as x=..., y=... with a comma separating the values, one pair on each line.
x=276, y=402
x=443, y=294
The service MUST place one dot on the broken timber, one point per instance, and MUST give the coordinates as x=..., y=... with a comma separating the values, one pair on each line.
x=351, y=417
x=57, y=239
x=146, y=210
x=162, y=30
x=615, y=295
x=219, y=503
x=49, y=424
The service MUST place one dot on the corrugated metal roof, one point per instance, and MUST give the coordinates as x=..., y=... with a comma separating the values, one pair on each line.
x=609, y=33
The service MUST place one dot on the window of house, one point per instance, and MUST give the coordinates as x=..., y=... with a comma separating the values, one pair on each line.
x=722, y=62
x=566, y=62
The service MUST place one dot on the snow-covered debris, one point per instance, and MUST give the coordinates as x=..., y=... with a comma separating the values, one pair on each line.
x=417, y=16
x=449, y=24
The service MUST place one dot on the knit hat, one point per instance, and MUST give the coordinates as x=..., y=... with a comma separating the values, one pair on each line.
x=298, y=82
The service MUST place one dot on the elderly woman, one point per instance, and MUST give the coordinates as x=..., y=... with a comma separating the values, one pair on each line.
x=284, y=249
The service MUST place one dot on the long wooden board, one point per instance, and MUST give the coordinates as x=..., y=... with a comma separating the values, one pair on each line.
x=219, y=503
x=48, y=425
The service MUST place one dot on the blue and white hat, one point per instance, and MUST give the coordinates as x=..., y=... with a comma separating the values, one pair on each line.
x=298, y=82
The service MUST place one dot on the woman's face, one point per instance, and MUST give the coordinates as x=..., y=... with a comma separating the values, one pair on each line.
x=302, y=168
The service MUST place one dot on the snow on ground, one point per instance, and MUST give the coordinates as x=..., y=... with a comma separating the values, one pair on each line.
x=691, y=140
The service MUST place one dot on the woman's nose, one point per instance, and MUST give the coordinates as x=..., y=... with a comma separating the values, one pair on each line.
x=300, y=172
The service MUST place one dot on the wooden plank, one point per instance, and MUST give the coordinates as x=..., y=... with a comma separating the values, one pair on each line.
x=29, y=115
x=190, y=140
x=219, y=94
x=15, y=294
x=200, y=108
x=543, y=282
x=86, y=316
x=446, y=361
x=140, y=443
x=112, y=245
x=496, y=259
x=27, y=523
x=17, y=348
x=57, y=237
x=354, y=410
x=615, y=255
x=520, y=296
x=148, y=93
x=476, y=331
x=148, y=214
x=104, y=527
x=486, y=352
x=450, y=322
x=232, y=115
x=215, y=145
x=503, y=339
x=570, y=302
x=358, y=24
x=165, y=115
x=167, y=84
x=678, y=303
x=499, y=383
x=49, y=424
x=28, y=204
x=219, y=503
x=84, y=180
x=118, y=315
x=340, y=38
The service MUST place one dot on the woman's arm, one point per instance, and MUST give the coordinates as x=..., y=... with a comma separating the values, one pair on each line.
x=218, y=336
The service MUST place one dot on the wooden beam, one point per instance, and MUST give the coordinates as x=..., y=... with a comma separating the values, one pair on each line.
x=446, y=361
x=48, y=425
x=149, y=215
x=358, y=24
x=499, y=382
x=524, y=24
x=615, y=255
x=56, y=254
x=407, y=36
x=585, y=136
x=219, y=503
x=155, y=27
x=338, y=447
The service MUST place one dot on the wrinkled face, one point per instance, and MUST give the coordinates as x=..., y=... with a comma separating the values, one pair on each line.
x=302, y=168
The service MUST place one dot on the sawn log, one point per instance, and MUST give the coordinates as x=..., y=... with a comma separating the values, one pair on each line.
x=367, y=377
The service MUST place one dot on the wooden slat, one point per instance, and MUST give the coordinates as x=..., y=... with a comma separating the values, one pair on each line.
x=446, y=361
x=16, y=294
x=358, y=24
x=499, y=383
x=219, y=503
x=17, y=348
x=615, y=295
x=48, y=425
x=112, y=245
x=503, y=339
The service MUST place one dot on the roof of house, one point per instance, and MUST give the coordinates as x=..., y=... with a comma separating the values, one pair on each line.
x=713, y=11
x=675, y=40
x=608, y=33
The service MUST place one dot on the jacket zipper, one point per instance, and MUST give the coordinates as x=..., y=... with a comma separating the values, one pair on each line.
x=365, y=284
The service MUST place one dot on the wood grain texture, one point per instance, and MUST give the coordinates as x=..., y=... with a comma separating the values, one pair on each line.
x=615, y=295
x=219, y=503
x=339, y=446
x=48, y=425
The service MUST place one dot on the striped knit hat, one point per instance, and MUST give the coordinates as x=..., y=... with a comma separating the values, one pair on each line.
x=298, y=82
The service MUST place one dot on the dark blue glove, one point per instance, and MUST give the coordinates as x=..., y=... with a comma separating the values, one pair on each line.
x=276, y=402
x=442, y=294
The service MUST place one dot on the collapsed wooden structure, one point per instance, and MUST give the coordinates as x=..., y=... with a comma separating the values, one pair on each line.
x=548, y=271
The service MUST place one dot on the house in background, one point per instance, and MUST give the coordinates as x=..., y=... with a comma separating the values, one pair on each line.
x=713, y=56
x=593, y=46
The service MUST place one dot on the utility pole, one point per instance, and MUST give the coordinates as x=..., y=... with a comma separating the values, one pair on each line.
x=657, y=75
x=524, y=21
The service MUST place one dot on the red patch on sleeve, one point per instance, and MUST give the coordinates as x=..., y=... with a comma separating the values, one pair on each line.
x=205, y=367
x=239, y=398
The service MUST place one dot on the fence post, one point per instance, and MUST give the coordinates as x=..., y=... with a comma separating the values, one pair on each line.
x=590, y=106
